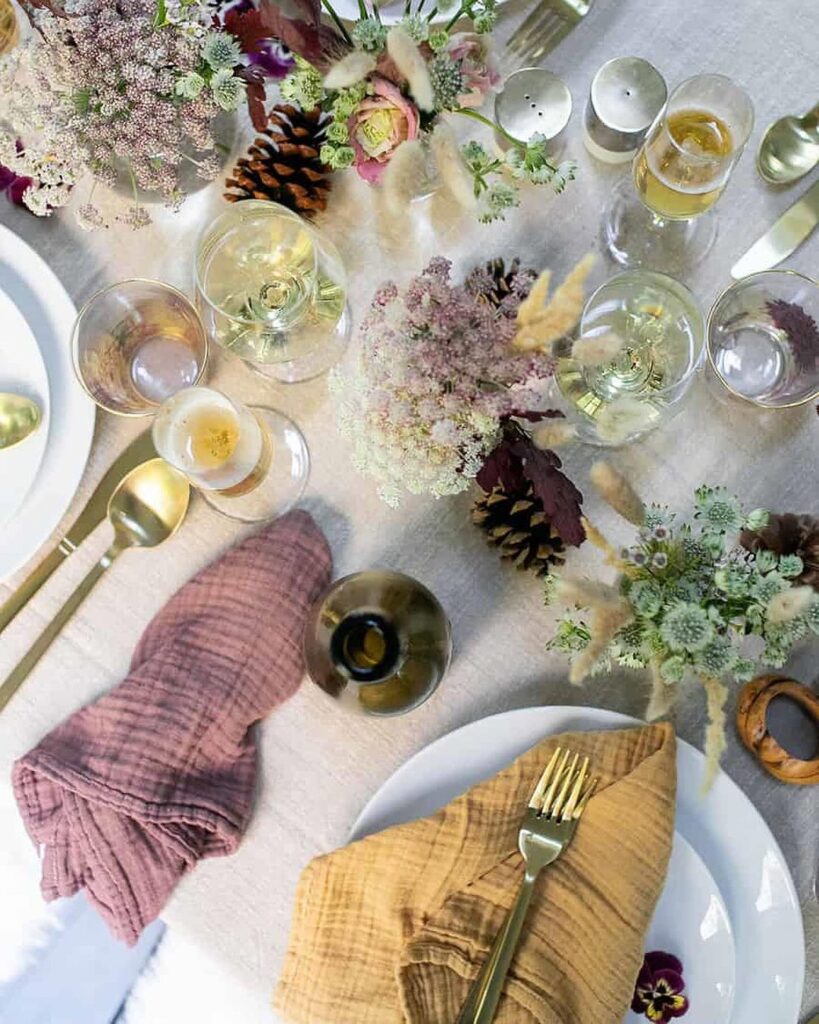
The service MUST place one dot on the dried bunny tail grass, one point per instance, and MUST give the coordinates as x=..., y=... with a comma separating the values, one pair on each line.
x=605, y=622
x=350, y=70
x=716, y=693
x=402, y=174
x=554, y=433
x=539, y=326
x=411, y=64
x=601, y=542
x=597, y=350
x=586, y=593
x=451, y=166
x=616, y=491
x=663, y=694
x=617, y=421
x=789, y=604
x=534, y=303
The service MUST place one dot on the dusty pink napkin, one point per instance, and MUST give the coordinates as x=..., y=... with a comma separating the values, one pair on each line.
x=128, y=793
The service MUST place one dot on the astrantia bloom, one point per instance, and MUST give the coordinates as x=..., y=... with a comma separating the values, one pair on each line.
x=658, y=991
x=433, y=379
x=686, y=627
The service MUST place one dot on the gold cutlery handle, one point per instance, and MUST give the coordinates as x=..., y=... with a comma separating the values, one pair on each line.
x=19, y=673
x=32, y=583
x=482, y=1002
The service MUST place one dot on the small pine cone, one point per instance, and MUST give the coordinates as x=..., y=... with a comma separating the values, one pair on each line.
x=283, y=164
x=789, y=534
x=500, y=281
x=517, y=525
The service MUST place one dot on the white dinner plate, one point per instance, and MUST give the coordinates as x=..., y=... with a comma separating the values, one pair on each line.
x=691, y=922
x=23, y=372
x=49, y=312
x=391, y=10
x=722, y=826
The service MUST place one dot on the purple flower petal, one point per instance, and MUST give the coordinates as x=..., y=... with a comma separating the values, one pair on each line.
x=659, y=960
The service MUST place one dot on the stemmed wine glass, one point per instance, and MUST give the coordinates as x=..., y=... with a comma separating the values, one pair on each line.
x=250, y=463
x=660, y=218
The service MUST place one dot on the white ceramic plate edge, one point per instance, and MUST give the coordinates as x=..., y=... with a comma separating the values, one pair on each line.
x=47, y=307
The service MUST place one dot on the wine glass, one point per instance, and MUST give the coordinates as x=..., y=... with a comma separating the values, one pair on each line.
x=660, y=218
x=136, y=343
x=272, y=290
x=763, y=339
x=250, y=463
x=661, y=329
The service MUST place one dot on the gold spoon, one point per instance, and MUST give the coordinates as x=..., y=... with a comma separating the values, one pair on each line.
x=789, y=148
x=19, y=418
x=146, y=509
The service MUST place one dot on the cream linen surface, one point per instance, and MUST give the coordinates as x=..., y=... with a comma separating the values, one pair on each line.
x=394, y=928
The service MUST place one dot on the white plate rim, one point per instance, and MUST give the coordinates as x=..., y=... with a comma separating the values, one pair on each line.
x=72, y=413
x=34, y=446
x=787, y=949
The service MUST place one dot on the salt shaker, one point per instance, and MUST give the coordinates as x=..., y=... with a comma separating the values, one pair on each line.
x=533, y=101
x=626, y=95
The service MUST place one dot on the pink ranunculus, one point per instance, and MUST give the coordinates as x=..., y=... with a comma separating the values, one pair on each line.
x=478, y=66
x=378, y=126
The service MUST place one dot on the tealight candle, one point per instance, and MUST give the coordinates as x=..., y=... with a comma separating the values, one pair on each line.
x=533, y=101
x=626, y=95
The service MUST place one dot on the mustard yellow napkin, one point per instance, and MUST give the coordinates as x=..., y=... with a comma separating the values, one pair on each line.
x=394, y=928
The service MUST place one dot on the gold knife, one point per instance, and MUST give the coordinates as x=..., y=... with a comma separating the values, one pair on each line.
x=138, y=451
x=783, y=238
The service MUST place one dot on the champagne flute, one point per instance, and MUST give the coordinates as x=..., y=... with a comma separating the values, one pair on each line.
x=660, y=218
x=250, y=463
x=273, y=291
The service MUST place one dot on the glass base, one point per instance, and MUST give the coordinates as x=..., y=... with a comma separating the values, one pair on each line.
x=322, y=354
x=285, y=479
x=634, y=237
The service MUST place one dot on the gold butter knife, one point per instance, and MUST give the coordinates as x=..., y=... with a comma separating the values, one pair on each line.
x=138, y=451
x=783, y=237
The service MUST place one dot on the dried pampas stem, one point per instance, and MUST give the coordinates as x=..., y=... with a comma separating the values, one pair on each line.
x=605, y=622
x=616, y=491
x=539, y=325
x=599, y=540
x=451, y=166
x=402, y=175
x=715, y=743
x=349, y=70
x=586, y=593
x=597, y=350
x=553, y=434
x=410, y=62
x=663, y=694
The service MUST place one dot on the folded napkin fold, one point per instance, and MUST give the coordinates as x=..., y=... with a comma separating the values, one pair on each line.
x=129, y=792
x=394, y=928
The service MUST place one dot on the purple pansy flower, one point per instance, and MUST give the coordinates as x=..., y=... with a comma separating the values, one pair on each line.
x=263, y=51
x=12, y=183
x=658, y=991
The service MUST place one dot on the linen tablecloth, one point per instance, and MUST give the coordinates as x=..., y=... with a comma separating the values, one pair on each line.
x=319, y=764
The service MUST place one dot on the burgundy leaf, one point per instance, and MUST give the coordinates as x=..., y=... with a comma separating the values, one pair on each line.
x=255, y=104
x=297, y=23
x=248, y=27
x=561, y=499
x=501, y=467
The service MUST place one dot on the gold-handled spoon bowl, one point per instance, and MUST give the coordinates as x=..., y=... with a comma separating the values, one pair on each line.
x=789, y=148
x=19, y=418
x=146, y=509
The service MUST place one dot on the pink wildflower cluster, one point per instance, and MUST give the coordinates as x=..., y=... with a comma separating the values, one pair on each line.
x=434, y=379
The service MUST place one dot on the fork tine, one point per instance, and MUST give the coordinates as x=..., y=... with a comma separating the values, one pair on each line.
x=549, y=795
x=537, y=796
x=556, y=807
x=567, y=811
x=584, y=799
x=534, y=22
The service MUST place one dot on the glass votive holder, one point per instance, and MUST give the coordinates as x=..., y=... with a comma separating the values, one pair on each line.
x=136, y=343
x=763, y=339
x=660, y=330
x=378, y=641
x=250, y=463
x=273, y=291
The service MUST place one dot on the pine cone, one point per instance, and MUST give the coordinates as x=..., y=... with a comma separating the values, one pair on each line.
x=500, y=280
x=283, y=164
x=789, y=534
x=517, y=525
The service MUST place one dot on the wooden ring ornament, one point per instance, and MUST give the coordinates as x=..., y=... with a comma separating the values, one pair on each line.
x=752, y=712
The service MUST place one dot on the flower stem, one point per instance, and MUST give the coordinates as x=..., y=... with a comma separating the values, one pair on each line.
x=459, y=13
x=432, y=14
x=490, y=124
x=339, y=25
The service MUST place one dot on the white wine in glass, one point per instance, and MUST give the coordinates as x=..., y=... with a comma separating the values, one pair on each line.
x=660, y=217
x=249, y=463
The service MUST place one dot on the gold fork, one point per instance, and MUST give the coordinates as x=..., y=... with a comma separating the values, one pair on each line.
x=548, y=24
x=546, y=830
